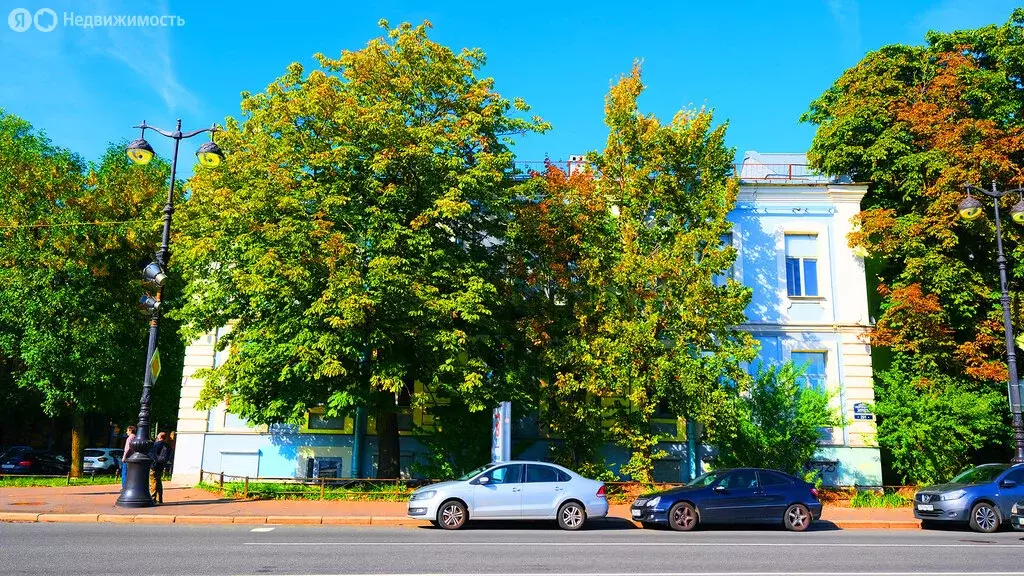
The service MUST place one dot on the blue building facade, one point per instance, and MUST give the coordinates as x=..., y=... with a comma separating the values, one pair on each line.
x=809, y=306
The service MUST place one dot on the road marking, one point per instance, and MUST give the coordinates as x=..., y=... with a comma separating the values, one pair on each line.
x=261, y=529
x=649, y=544
x=860, y=573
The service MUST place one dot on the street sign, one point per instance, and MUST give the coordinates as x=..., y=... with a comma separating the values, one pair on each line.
x=862, y=411
x=154, y=365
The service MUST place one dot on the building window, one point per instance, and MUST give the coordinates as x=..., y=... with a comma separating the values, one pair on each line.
x=405, y=410
x=802, y=264
x=730, y=272
x=813, y=364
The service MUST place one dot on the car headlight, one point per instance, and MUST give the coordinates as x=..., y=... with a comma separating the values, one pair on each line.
x=954, y=495
x=1014, y=510
x=425, y=495
x=654, y=501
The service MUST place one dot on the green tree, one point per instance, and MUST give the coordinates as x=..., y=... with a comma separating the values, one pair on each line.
x=351, y=237
x=71, y=235
x=917, y=122
x=621, y=265
x=780, y=422
x=932, y=426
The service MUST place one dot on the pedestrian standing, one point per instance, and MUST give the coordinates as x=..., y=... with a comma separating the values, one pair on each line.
x=160, y=455
x=127, y=452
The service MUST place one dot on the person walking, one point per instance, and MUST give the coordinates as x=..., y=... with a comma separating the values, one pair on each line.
x=127, y=452
x=161, y=455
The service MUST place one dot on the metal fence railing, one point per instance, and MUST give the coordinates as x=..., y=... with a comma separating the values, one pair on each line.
x=746, y=171
x=399, y=488
x=336, y=488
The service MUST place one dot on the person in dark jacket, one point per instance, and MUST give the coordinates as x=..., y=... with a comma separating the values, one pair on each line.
x=160, y=455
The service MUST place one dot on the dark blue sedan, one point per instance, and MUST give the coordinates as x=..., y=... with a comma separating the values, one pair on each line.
x=738, y=495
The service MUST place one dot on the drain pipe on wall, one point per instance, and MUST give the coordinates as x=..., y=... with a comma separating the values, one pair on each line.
x=836, y=330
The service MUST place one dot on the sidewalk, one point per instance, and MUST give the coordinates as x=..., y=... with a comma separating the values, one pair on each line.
x=185, y=505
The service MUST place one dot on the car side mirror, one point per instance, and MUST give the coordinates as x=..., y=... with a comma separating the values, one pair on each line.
x=1008, y=484
x=720, y=489
x=483, y=480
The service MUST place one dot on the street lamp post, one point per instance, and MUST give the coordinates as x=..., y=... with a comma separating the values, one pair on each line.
x=135, y=493
x=970, y=208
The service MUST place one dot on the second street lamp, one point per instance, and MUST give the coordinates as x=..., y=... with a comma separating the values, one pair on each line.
x=135, y=493
x=970, y=208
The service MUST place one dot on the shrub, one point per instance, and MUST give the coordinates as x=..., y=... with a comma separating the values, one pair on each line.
x=779, y=423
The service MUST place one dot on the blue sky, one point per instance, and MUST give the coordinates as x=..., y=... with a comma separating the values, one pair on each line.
x=758, y=64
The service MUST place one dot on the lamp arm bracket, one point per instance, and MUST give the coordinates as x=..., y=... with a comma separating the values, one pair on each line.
x=983, y=191
x=177, y=135
x=200, y=131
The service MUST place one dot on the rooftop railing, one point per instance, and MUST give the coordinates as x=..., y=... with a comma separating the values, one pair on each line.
x=746, y=172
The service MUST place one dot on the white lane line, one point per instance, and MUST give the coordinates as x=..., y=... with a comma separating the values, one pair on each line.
x=860, y=573
x=647, y=544
x=261, y=529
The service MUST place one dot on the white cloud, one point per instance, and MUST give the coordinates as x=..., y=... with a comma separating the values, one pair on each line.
x=846, y=14
x=147, y=51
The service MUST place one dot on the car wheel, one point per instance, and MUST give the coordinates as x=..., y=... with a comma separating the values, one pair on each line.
x=984, y=518
x=797, y=518
x=682, y=517
x=452, y=515
x=571, y=516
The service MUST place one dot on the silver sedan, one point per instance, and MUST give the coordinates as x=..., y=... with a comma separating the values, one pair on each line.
x=514, y=490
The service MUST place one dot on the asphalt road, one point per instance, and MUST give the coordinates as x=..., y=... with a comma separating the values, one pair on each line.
x=533, y=550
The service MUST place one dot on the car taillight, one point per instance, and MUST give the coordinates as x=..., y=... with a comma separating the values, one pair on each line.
x=601, y=491
x=25, y=463
x=814, y=492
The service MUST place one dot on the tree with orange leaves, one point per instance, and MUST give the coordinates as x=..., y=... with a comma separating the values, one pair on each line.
x=918, y=122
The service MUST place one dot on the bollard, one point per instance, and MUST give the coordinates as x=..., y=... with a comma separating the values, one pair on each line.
x=246, y=493
x=69, y=478
x=321, y=488
x=221, y=484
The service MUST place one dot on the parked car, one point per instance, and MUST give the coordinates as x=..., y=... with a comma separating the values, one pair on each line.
x=739, y=495
x=7, y=449
x=101, y=460
x=28, y=461
x=982, y=497
x=1017, y=515
x=514, y=490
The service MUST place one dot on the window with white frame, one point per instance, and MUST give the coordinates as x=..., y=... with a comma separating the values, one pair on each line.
x=813, y=364
x=802, y=264
x=730, y=272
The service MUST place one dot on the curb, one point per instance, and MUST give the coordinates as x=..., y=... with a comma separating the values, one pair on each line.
x=34, y=517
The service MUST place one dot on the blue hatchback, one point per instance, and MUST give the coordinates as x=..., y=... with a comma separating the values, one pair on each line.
x=738, y=495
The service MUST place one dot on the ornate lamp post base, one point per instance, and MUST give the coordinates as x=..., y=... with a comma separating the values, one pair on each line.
x=136, y=487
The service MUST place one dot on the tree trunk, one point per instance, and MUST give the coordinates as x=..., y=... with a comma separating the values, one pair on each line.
x=77, y=443
x=387, y=442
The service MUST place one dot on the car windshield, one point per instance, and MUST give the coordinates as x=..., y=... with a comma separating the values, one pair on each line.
x=469, y=475
x=705, y=480
x=981, y=474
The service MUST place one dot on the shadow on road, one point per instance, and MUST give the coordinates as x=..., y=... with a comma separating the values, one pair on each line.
x=593, y=525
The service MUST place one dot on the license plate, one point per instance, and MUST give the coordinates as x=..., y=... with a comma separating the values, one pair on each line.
x=925, y=507
x=637, y=513
x=7, y=466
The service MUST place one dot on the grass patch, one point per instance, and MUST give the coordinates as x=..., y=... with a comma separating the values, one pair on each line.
x=297, y=491
x=872, y=499
x=32, y=481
